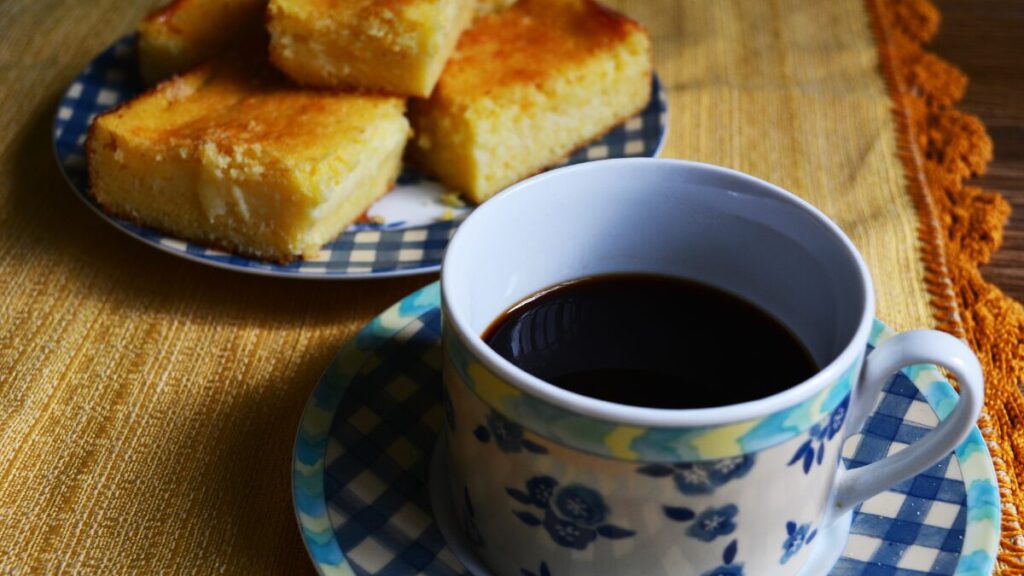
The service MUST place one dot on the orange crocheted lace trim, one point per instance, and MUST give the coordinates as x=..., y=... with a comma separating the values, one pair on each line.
x=960, y=227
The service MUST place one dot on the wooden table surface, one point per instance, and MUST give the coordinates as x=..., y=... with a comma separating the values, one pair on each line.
x=984, y=39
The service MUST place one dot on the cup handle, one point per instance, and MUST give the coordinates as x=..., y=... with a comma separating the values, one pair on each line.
x=916, y=347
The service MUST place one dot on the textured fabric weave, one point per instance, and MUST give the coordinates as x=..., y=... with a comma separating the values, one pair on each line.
x=960, y=227
x=148, y=404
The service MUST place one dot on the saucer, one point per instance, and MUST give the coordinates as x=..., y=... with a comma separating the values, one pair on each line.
x=363, y=458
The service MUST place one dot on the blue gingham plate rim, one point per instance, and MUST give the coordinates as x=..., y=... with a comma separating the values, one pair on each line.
x=980, y=540
x=362, y=252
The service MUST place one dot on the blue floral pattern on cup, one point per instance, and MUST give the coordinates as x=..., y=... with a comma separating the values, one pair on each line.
x=796, y=537
x=709, y=524
x=701, y=477
x=812, y=451
x=714, y=522
x=728, y=568
x=507, y=435
x=574, y=515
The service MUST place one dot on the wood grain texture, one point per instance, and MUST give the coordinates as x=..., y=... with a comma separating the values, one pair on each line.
x=983, y=38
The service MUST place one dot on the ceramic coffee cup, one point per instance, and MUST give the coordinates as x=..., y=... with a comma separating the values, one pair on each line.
x=548, y=482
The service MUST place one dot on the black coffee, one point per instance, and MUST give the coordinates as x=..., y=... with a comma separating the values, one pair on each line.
x=651, y=341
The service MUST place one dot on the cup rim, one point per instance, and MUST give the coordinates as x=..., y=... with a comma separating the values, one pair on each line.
x=641, y=415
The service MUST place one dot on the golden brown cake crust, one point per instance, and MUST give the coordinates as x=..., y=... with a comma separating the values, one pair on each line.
x=529, y=41
x=361, y=7
x=164, y=15
x=396, y=46
x=176, y=16
x=278, y=108
x=185, y=33
x=526, y=87
x=241, y=89
x=234, y=155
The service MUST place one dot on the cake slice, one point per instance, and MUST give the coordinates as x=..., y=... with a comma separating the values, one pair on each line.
x=525, y=87
x=233, y=155
x=395, y=46
x=186, y=33
x=488, y=6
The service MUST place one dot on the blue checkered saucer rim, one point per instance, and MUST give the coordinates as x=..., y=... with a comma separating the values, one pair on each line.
x=978, y=545
x=431, y=239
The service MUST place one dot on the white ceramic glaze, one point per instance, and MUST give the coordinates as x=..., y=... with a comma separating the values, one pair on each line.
x=545, y=476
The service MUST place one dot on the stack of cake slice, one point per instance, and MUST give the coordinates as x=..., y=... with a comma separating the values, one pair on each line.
x=275, y=163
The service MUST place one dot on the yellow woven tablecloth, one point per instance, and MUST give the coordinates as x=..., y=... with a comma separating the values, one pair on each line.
x=148, y=404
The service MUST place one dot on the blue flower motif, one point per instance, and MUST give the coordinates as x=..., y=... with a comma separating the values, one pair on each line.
x=726, y=469
x=796, y=537
x=574, y=515
x=540, y=489
x=806, y=453
x=812, y=451
x=581, y=505
x=701, y=477
x=838, y=417
x=693, y=479
x=507, y=435
x=566, y=533
x=714, y=522
x=707, y=526
x=727, y=568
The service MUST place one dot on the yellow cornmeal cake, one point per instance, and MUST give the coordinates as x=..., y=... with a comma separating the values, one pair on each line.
x=525, y=87
x=396, y=46
x=186, y=33
x=488, y=6
x=233, y=155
